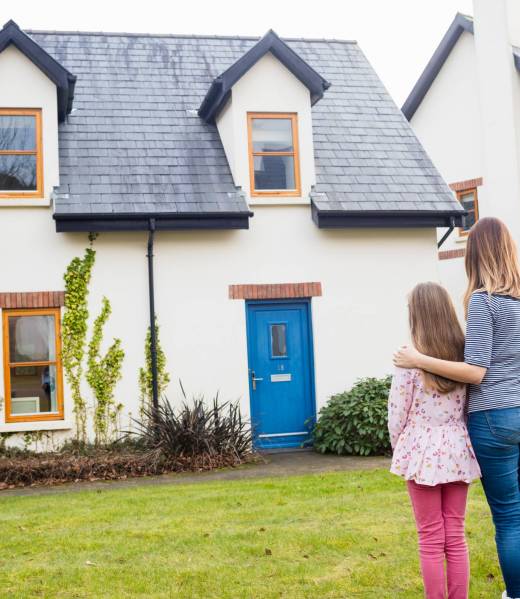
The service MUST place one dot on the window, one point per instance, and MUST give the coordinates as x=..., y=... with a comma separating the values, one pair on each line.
x=469, y=200
x=20, y=153
x=273, y=154
x=279, y=340
x=32, y=365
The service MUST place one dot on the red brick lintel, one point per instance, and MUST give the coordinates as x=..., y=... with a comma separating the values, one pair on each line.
x=464, y=185
x=275, y=291
x=447, y=254
x=32, y=299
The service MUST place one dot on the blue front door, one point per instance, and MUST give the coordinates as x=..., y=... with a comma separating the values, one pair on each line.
x=280, y=372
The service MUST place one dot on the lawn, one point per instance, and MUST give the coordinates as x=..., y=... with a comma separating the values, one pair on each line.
x=335, y=535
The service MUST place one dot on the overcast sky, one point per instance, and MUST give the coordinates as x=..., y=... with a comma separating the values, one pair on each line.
x=398, y=36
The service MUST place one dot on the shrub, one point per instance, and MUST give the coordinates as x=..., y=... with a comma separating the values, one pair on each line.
x=355, y=422
x=195, y=429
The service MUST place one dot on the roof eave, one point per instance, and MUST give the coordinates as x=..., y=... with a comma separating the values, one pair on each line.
x=171, y=221
x=385, y=219
x=460, y=24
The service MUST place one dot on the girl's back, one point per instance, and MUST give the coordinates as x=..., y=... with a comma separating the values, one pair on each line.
x=428, y=432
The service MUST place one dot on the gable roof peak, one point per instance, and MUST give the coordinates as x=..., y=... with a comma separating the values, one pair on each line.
x=220, y=88
x=11, y=34
x=11, y=23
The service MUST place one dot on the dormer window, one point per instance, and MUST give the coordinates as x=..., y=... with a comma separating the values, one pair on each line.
x=20, y=153
x=273, y=154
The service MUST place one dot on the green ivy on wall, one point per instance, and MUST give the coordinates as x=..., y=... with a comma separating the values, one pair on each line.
x=102, y=375
x=145, y=373
x=74, y=332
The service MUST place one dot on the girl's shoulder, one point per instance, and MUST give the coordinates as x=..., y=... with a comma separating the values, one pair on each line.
x=407, y=374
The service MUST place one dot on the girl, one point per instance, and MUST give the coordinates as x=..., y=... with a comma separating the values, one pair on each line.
x=432, y=450
x=492, y=367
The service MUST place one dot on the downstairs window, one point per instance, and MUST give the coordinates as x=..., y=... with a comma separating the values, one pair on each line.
x=32, y=365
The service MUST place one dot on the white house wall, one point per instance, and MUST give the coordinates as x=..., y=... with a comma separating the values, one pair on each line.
x=357, y=322
x=29, y=88
x=448, y=124
x=267, y=87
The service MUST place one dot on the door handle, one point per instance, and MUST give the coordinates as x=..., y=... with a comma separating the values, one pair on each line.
x=254, y=379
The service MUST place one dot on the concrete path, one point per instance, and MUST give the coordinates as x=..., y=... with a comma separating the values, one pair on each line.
x=274, y=464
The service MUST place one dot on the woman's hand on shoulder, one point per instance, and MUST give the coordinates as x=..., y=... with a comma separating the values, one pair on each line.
x=407, y=357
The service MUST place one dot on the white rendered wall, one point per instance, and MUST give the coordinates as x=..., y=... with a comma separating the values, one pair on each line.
x=448, y=124
x=357, y=323
x=267, y=87
x=23, y=85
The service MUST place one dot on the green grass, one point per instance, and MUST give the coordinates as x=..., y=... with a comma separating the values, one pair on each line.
x=340, y=535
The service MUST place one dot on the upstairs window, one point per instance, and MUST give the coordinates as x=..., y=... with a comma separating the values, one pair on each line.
x=20, y=153
x=32, y=365
x=469, y=200
x=273, y=154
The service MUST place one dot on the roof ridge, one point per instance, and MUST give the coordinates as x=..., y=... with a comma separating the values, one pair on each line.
x=184, y=36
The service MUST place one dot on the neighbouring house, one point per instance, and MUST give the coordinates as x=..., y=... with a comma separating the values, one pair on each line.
x=289, y=203
x=465, y=110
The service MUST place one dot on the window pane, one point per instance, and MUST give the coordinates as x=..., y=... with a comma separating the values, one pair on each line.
x=272, y=135
x=17, y=132
x=33, y=390
x=468, y=202
x=278, y=340
x=17, y=173
x=468, y=221
x=274, y=172
x=32, y=338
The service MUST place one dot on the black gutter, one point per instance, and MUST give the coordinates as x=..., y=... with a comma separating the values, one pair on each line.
x=385, y=219
x=171, y=221
x=447, y=234
x=153, y=339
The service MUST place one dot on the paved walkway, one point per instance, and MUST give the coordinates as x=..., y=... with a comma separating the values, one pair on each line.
x=275, y=464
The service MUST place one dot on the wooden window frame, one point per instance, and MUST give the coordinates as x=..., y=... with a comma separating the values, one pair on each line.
x=295, y=154
x=462, y=192
x=59, y=415
x=38, y=152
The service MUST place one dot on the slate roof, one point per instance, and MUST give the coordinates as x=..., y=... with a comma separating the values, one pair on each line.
x=134, y=143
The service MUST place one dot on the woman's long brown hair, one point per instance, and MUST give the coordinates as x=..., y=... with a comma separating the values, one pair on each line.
x=491, y=260
x=435, y=330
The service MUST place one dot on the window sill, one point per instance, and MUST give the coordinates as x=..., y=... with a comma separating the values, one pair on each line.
x=35, y=425
x=279, y=201
x=461, y=239
x=23, y=202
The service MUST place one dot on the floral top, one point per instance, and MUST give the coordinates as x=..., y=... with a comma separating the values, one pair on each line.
x=428, y=432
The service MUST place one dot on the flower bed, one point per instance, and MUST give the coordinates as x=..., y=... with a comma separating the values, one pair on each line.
x=23, y=469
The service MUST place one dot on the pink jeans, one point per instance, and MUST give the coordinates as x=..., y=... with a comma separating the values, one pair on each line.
x=439, y=514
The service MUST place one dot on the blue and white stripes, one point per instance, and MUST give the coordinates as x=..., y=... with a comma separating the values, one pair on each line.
x=493, y=341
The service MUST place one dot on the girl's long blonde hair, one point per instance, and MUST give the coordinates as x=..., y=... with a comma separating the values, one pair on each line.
x=491, y=260
x=435, y=330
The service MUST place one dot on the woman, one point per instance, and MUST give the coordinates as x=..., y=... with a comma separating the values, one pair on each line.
x=492, y=368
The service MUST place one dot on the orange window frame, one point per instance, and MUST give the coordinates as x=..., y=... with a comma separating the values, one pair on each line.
x=38, y=152
x=59, y=415
x=463, y=232
x=293, y=117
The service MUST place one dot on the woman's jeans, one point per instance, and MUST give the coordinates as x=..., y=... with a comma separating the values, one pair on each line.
x=495, y=435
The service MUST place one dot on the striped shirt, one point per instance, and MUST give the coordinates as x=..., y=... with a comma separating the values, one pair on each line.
x=493, y=341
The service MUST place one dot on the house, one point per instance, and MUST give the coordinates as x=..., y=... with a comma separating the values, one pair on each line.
x=283, y=200
x=465, y=110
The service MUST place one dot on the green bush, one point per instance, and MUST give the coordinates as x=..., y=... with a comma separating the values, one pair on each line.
x=355, y=422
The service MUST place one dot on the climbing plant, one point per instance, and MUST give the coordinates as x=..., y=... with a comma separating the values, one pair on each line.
x=74, y=331
x=145, y=373
x=103, y=372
